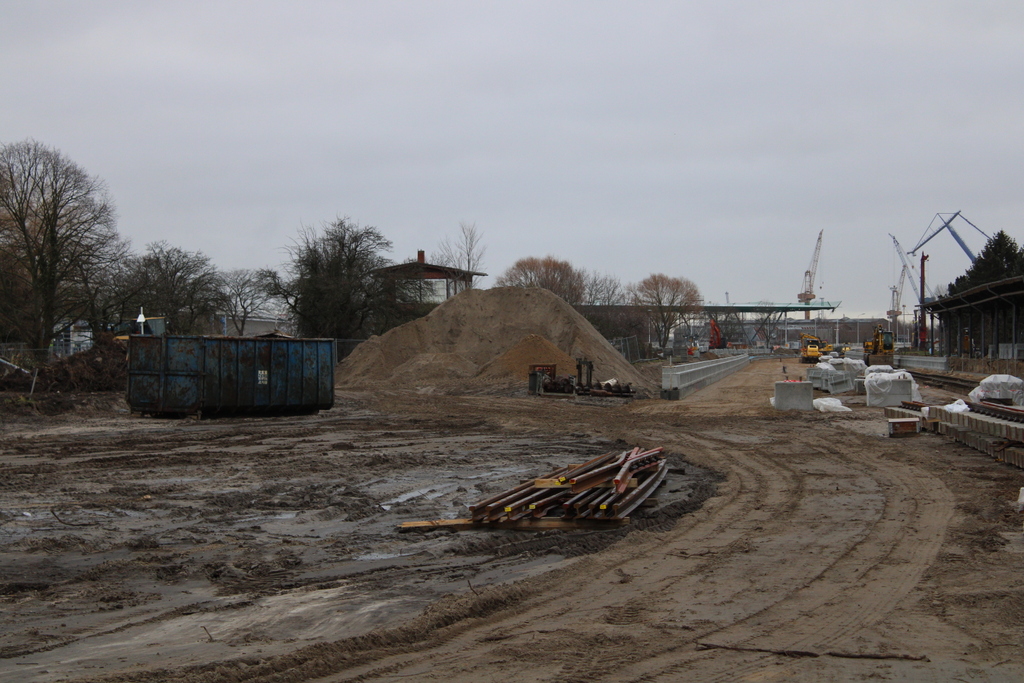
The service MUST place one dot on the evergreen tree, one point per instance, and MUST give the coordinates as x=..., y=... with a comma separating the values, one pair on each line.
x=1000, y=259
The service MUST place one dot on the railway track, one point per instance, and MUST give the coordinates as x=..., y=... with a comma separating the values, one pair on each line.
x=945, y=381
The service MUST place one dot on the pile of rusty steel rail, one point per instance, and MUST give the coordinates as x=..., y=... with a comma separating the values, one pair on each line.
x=600, y=492
x=598, y=489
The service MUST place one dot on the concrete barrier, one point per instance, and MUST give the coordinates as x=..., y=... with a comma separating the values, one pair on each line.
x=898, y=391
x=794, y=396
x=741, y=352
x=837, y=382
x=690, y=377
x=933, y=363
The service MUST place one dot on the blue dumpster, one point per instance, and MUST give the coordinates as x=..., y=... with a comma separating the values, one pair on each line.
x=229, y=375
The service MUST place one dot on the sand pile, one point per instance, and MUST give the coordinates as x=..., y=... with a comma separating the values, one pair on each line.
x=515, y=363
x=488, y=334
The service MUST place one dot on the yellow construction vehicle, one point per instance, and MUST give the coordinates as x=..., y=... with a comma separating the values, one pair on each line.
x=811, y=348
x=880, y=342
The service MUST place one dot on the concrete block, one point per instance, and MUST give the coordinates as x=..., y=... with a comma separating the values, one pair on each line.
x=794, y=396
x=838, y=383
x=899, y=390
x=1016, y=432
x=858, y=385
x=1014, y=456
x=904, y=426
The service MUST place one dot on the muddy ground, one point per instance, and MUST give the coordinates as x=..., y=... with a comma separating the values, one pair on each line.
x=785, y=546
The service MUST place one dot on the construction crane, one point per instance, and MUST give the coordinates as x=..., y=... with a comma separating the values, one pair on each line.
x=906, y=266
x=894, y=311
x=806, y=295
x=947, y=225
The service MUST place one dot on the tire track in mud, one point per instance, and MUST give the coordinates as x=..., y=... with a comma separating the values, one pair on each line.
x=857, y=591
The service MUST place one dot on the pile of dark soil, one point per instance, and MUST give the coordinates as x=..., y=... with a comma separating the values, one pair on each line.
x=104, y=367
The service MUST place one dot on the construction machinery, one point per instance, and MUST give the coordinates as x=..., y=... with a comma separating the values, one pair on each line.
x=894, y=311
x=947, y=220
x=806, y=295
x=880, y=342
x=545, y=382
x=715, y=340
x=811, y=348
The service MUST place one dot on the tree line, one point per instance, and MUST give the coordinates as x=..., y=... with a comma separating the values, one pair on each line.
x=62, y=261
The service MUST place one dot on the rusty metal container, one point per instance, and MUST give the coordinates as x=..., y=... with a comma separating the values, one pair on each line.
x=173, y=375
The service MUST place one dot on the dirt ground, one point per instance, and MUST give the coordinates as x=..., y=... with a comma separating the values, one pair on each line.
x=785, y=546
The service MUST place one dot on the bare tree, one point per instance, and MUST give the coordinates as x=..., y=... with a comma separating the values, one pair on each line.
x=331, y=285
x=465, y=252
x=245, y=293
x=602, y=290
x=111, y=291
x=56, y=224
x=560, y=277
x=184, y=286
x=670, y=300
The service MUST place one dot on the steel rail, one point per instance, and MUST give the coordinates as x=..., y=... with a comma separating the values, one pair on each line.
x=525, y=485
x=944, y=380
x=522, y=503
x=621, y=480
x=621, y=486
x=640, y=493
x=541, y=507
x=601, y=474
x=600, y=502
x=510, y=496
x=997, y=410
x=573, y=505
x=589, y=465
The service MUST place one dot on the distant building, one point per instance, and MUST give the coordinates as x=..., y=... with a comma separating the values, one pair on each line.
x=254, y=326
x=419, y=282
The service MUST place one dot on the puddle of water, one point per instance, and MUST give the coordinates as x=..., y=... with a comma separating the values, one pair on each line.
x=379, y=556
x=428, y=492
x=406, y=496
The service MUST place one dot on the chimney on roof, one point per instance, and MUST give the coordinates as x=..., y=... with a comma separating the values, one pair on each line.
x=421, y=257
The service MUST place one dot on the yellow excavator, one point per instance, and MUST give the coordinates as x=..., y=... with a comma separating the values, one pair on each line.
x=811, y=348
x=880, y=342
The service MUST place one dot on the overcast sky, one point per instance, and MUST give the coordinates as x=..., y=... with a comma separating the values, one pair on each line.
x=708, y=140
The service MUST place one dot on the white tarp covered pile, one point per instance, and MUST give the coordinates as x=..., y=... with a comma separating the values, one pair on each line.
x=957, y=406
x=999, y=387
x=877, y=368
x=890, y=388
x=849, y=366
x=830, y=405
